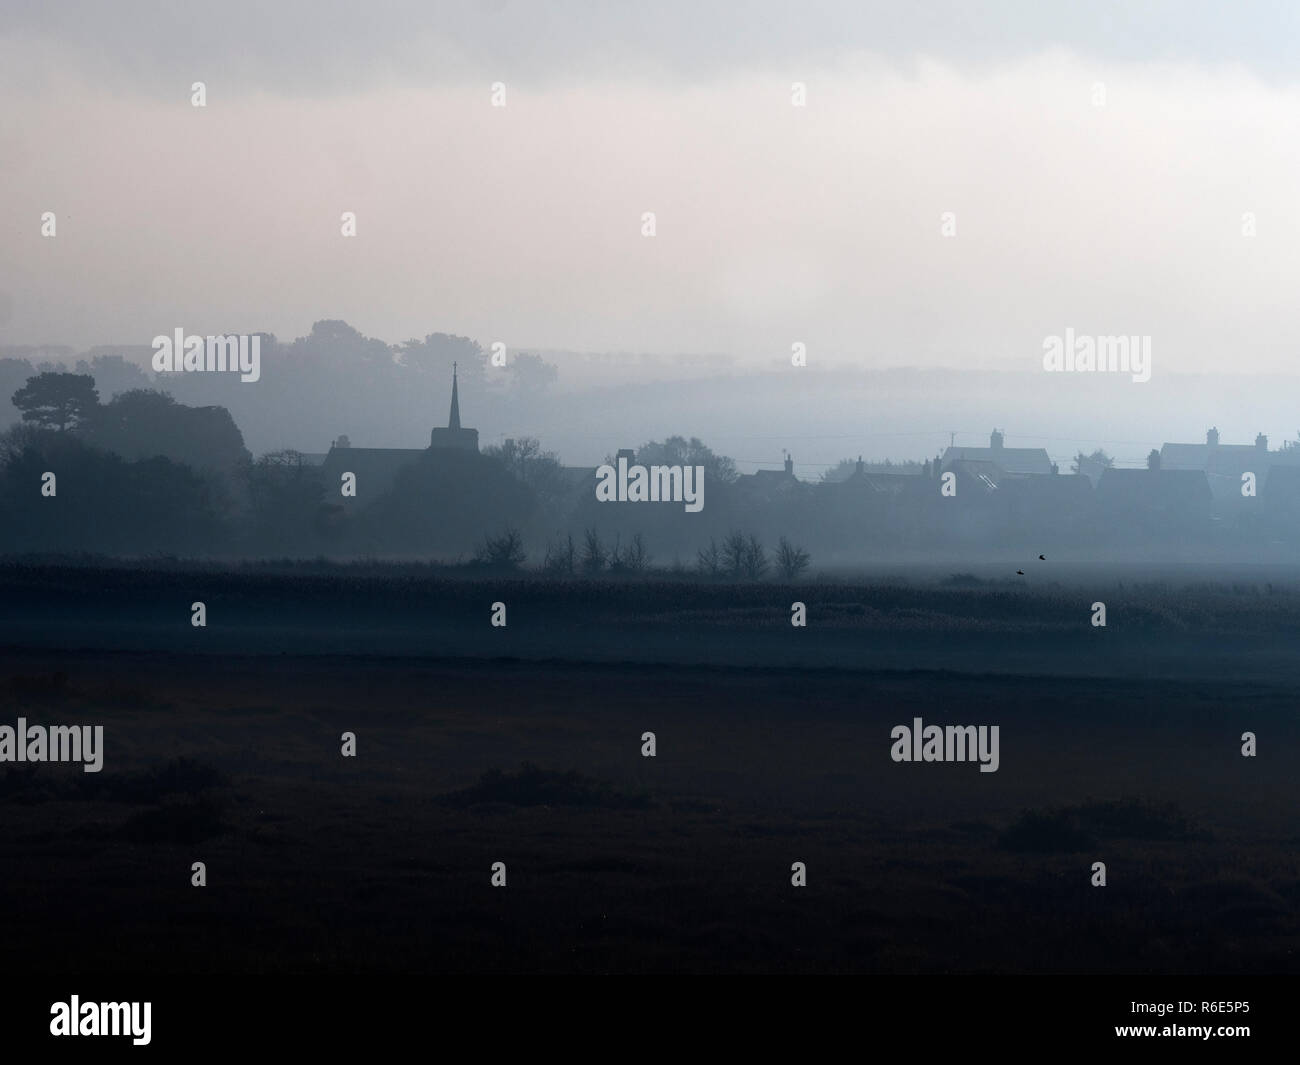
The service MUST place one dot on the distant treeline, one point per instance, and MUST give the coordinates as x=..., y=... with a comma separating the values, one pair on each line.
x=334, y=380
x=145, y=474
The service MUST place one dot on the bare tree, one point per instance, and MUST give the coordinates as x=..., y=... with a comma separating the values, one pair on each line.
x=733, y=554
x=616, y=554
x=528, y=463
x=506, y=550
x=636, y=559
x=594, y=555
x=791, y=560
x=709, y=560
x=754, y=559
x=561, y=556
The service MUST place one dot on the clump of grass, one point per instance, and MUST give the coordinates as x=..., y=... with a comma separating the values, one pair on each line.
x=1134, y=818
x=40, y=687
x=1043, y=831
x=188, y=821
x=180, y=776
x=532, y=786
x=1075, y=828
x=24, y=785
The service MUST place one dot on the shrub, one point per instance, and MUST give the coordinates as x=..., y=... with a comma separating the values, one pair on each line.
x=180, y=776
x=631, y=559
x=561, y=557
x=791, y=560
x=190, y=821
x=709, y=560
x=532, y=786
x=594, y=555
x=502, y=552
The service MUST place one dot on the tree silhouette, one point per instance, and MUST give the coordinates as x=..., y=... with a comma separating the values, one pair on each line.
x=529, y=374
x=791, y=559
x=594, y=555
x=142, y=423
x=436, y=353
x=1099, y=456
x=113, y=374
x=539, y=470
x=57, y=400
x=678, y=451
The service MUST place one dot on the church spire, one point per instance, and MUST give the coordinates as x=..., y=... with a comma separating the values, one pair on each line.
x=453, y=422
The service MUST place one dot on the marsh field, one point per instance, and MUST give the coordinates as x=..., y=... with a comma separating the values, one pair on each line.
x=523, y=745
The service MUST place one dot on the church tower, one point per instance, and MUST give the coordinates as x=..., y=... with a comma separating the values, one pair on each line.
x=454, y=436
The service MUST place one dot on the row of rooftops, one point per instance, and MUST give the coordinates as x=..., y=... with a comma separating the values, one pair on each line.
x=989, y=465
x=1211, y=457
x=1187, y=471
x=993, y=467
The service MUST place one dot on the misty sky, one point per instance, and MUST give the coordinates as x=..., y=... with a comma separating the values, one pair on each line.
x=775, y=224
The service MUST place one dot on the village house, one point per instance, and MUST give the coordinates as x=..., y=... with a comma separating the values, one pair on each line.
x=1014, y=461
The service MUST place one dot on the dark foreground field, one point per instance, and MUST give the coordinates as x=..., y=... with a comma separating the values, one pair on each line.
x=615, y=862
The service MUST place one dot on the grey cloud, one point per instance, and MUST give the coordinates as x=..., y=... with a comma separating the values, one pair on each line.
x=323, y=48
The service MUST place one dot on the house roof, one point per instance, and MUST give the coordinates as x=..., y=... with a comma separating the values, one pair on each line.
x=1153, y=489
x=578, y=479
x=1010, y=459
x=891, y=483
x=862, y=480
x=1215, y=458
x=376, y=467
x=1281, y=480
x=1060, y=487
x=989, y=475
x=768, y=484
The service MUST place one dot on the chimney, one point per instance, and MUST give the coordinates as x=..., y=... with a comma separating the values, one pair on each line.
x=626, y=453
x=859, y=464
x=995, y=440
x=1212, y=437
x=789, y=465
x=1261, y=442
